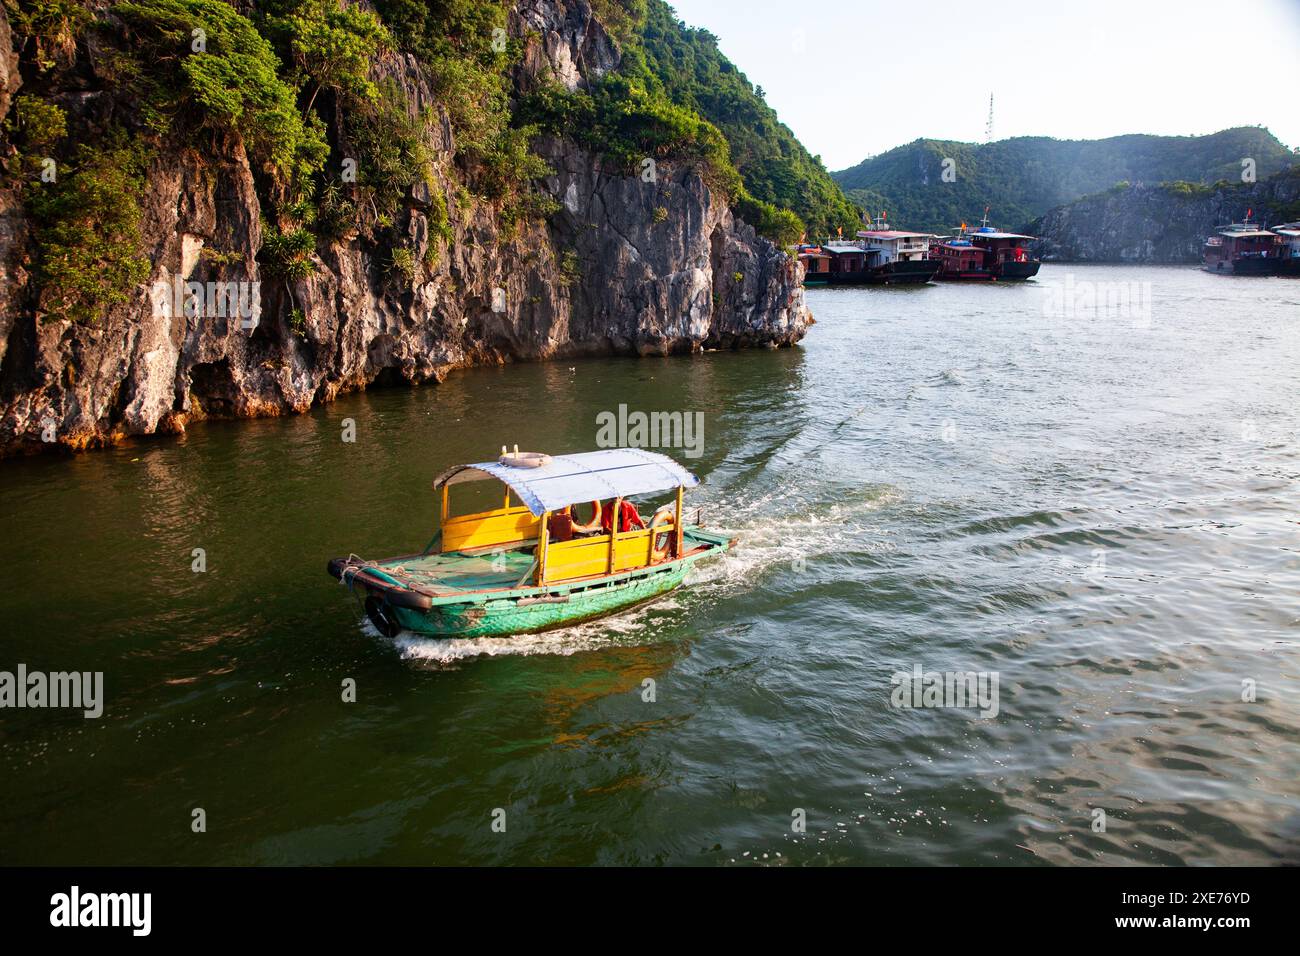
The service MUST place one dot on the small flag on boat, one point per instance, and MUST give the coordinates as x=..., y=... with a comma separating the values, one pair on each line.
x=839, y=230
x=1248, y=212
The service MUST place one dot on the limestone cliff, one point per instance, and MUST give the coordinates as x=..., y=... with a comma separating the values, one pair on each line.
x=624, y=266
x=1167, y=223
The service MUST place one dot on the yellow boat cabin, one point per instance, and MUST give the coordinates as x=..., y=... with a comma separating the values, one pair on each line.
x=567, y=543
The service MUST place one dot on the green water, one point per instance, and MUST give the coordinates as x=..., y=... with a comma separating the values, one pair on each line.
x=928, y=480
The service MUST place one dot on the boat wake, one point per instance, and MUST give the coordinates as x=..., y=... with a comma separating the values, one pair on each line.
x=774, y=530
x=779, y=530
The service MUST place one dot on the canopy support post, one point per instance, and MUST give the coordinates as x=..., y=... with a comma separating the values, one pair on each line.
x=446, y=502
x=677, y=529
x=543, y=545
x=613, y=535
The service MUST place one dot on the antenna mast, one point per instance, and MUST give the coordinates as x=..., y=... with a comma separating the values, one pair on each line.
x=988, y=127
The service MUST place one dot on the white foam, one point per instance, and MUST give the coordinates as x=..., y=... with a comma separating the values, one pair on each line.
x=792, y=540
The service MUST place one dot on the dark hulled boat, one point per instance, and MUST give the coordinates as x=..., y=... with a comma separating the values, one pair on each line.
x=960, y=260
x=895, y=256
x=1243, y=249
x=835, y=263
x=1288, y=262
x=985, y=254
x=816, y=264
x=1005, y=254
x=877, y=256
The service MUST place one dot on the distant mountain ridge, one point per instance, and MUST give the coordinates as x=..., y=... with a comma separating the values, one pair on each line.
x=1022, y=178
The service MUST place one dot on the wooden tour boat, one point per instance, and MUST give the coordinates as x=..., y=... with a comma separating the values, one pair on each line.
x=985, y=254
x=1243, y=249
x=1005, y=254
x=530, y=564
x=1288, y=263
x=959, y=259
x=877, y=256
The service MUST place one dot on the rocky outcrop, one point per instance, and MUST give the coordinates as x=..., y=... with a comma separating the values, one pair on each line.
x=1163, y=224
x=10, y=77
x=625, y=266
x=675, y=271
x=12, y=276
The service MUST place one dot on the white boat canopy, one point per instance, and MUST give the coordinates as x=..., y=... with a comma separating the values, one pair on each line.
x=570, y=479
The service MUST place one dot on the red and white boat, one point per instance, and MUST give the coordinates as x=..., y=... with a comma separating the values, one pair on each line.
x=1243, y=249
x=986, y=254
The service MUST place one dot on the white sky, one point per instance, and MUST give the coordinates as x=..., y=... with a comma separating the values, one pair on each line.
x=859, y=77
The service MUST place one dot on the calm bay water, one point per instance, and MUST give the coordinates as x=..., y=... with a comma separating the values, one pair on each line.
x=1100, y=508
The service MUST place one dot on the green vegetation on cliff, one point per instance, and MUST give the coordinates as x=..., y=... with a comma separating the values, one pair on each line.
x=675, y=96
x=88, y=228
x=1022, y=178
x=225, y=76
x=774, y=165
x=463, y=46
x=85, y=208
x=294, y=82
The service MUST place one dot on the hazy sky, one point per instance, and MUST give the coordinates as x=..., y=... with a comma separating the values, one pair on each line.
x=860, y=77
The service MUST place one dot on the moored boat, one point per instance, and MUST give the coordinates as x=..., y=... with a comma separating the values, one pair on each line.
x=895, y=256
x=1288, y=262
x=960, y=260
x=1005, y=253
x=876, y=256
x=816, y=264
x=530, y=564
x=1243, y=249
x=846, y=264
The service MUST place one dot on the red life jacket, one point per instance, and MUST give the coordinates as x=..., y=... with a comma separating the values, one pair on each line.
x=629, y=518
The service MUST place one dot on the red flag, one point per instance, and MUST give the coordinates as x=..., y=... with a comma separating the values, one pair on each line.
x=1248, y=212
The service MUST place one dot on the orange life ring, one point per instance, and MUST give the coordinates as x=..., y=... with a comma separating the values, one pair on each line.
x=661, y=542
x=593, y=524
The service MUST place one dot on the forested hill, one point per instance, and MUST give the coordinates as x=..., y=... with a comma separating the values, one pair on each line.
x=675, y=95
x=1021, y=178
x=773, y=163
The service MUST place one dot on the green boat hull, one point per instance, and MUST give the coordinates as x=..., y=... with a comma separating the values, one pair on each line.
x=463, y=594
x=527, y=613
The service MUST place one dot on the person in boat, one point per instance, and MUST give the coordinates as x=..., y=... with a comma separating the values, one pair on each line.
x=559, y=527
x=629, y=518
x=563, y=526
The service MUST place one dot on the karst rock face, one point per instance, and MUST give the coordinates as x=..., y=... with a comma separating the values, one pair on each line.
x=1146, y=223
x=630, y=264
